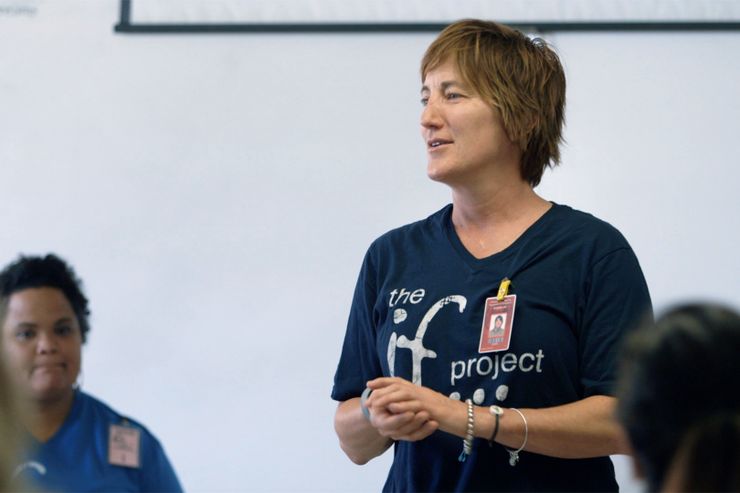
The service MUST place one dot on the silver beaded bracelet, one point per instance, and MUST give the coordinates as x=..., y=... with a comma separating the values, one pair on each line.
x=469, y=433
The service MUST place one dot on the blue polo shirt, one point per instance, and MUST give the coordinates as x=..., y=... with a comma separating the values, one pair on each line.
x=76, y=459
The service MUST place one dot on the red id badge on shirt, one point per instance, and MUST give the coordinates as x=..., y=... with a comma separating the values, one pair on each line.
x=498, y=323
x=123, y=446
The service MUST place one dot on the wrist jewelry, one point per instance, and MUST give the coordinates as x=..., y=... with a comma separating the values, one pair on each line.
x=468, y=441
x=514, y=454
x=497, y=412
x=363, y=398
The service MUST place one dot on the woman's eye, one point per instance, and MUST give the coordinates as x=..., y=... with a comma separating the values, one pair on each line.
x=424, y=101
x=452, y=95
x=24, y=335
x=63, y=330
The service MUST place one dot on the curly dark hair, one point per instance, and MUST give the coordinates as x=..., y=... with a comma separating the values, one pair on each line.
x=48, y=271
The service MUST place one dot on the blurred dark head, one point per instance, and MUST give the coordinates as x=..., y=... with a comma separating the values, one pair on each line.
x=709, y=457
x=675, y=374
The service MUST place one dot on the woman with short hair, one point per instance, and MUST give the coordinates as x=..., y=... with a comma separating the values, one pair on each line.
x=421, y=369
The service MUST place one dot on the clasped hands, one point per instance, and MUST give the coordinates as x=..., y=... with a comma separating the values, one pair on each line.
x=401, y=410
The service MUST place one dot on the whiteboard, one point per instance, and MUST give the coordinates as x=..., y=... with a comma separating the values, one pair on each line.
x=414, y=15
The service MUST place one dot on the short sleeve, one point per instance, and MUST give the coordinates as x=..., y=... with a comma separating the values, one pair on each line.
x=359, y=361
x=157, y=474
x=616, y=299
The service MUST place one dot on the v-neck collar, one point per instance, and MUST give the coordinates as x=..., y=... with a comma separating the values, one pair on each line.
x=74, y=411
x=507, y=254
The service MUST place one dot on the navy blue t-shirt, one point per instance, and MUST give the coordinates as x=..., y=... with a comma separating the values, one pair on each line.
x=76, y=458
x=578, y=288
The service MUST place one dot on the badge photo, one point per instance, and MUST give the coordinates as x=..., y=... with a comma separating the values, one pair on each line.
x=498, y=323
x=123, y=446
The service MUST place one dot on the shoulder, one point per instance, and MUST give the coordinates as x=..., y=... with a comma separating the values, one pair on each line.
x=104, y=415
x=413, y=233
x=98, y=420
x=583, y=222
x=583, y=227
x=582, y=240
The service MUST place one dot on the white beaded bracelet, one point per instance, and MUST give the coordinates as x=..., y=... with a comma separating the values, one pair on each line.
x=363, y=398
x=469, y=433
x=514, y=454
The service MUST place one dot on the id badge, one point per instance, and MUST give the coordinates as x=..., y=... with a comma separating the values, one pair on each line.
x=123, y=446
x=498, y=323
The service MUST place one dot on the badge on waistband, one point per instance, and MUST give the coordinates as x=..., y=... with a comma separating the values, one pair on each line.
x=123, y=446
x=498, y=323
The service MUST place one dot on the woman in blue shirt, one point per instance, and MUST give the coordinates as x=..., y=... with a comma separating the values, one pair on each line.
x=77, y=443
x=465, y=404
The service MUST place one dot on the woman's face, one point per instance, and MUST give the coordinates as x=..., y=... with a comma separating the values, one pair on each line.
x=464, y=135
x=41, y=343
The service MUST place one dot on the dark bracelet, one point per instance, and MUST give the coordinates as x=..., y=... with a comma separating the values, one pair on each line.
x=498, y=412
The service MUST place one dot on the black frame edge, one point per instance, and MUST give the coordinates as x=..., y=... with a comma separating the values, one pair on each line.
x=124, y=26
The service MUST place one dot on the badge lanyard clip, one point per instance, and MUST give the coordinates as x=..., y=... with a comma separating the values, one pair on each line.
x=503, y=289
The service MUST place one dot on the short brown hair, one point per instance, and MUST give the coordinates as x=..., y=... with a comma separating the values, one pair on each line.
x=519, y=76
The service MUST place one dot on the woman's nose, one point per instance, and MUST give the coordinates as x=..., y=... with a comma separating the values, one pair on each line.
x=430, y=117
x=47, y=343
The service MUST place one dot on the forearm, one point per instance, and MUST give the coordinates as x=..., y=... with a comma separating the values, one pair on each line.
x=580, y=429
x=357, y=437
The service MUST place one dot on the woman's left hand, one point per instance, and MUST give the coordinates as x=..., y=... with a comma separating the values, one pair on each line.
x=400, y=396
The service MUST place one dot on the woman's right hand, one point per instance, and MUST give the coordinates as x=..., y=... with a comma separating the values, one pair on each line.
x=362, y=439
x=407, y=426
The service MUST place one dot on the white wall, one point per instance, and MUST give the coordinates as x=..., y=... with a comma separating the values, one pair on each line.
x=217, y=194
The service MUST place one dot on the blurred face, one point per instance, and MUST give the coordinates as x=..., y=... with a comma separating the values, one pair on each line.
x=464, y=136
x=41, y=343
